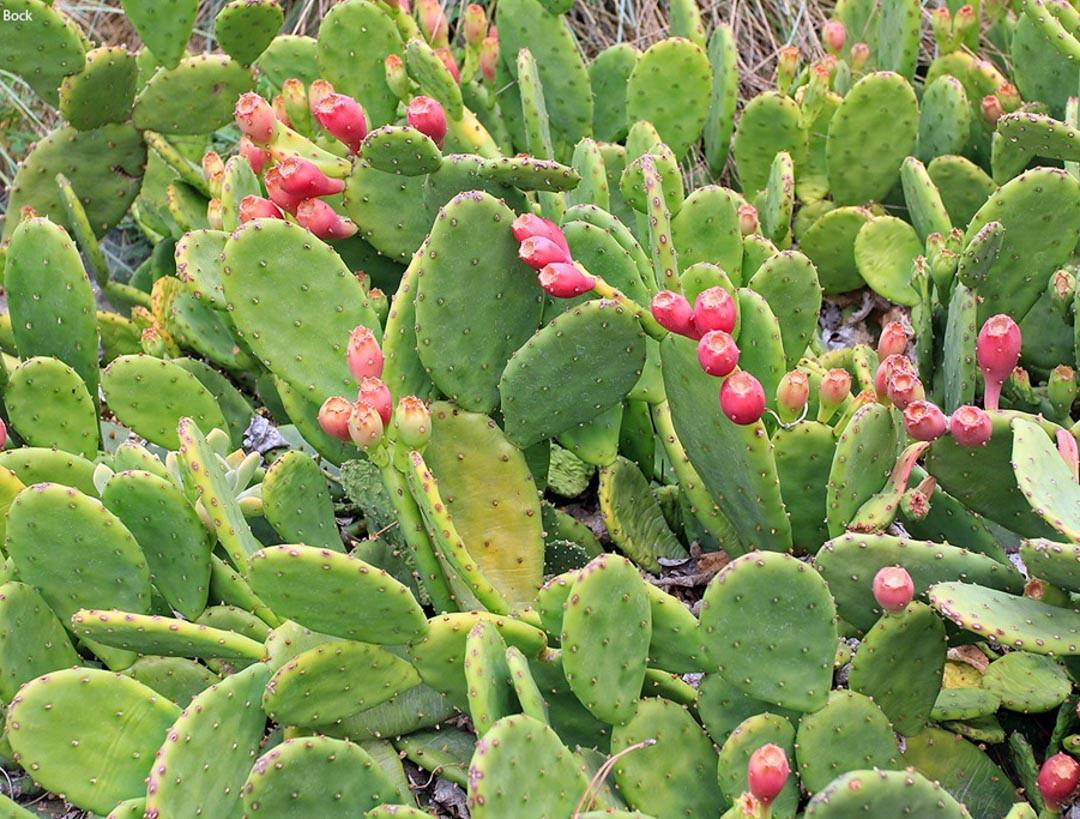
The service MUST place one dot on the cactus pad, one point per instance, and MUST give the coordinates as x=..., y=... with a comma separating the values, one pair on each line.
x=49, y=406
x=872, y=793
x=40, y=45
x=670, y=87
x=244, y=28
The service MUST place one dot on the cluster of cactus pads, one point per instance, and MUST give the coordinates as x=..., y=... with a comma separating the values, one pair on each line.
x=283, y=515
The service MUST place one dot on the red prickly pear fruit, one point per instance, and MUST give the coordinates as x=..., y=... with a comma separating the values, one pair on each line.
x=447, y=57
x=302, y=177
x=373, y=391
x=323, y=221
x=767, y=773
x=835, y=386
x=363, y=355
x=344, y=118
x=860, y=56
x=317, y=92
x=489, y=57
x=475, y=24
x=717, y=353
x=255, y=118
x=903, y=388
x=433, y=22
x=529, y=224
x=742, y=398
x=213, y=170
x=1066, y=445
x=997, y=351
x=334, y=417
x=538, y=252
x=428, y=117
x=885, y=371
x=1059, y=778
x=256, y=207
x=924, y=421
x=992, y=109
x=365, y=425
x=970, y=426
x=257, y=157
x=893, y=588
x=3, y=434
x=714, y=309
x=564, y=280
x=673, y=312
x=412, y=420
x=833, y=35
x=792, y=393
x=748, y=220
x=893, y=340
x=280, y=197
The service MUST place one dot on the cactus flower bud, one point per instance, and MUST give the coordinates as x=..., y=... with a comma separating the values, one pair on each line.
x=964, y=22
x=833, y=35
x=344, y=118
x=363, y=355
x=787, y=64
x=997, y=351
x=1061, y=389
x=214, y=171
x=256, y=207
x=334, y=417
x=970, y=426
x=860, y=56
x=323, y=221
x=318, y=91
x=433, y=22
x=255, y=118
x=767, y=773
x=302, y=177
x=412, y=419
x=748, y=220
x=280, y=197
x=282, y=115
x=792, y=393
x=529, y=224
x=903, y=388
x=673, y=312
x=447, y=58
x=924, y=421
x=893, y=340
x=373, y=391
x=893, y=588
x=1066, y=446
x=742, y=398
x=717, y=353
x=538, y=252
x=214, y=214
x=1009, y=97
x=397, y=77
x=365, y=425
x=886, y=369
x=489, y=57
x=475, y=24
x=992, y=109
x=427, y=116
x=714, y=309
x=257, y=157
x=564, y=280
x=1059, y=778
x=833, y=390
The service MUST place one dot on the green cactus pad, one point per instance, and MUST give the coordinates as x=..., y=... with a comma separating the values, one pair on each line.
x=959, y=367
x=793, y=635
x=91, y=559
x=850, y=562
x=491, y=497
x=354, y=40
x=223, y=722
x=606, y=646
x=39, y=465
x=964, y=703
x=677, y=775
x=1040, y=70
x=672, y=69
x=885, y=251
x=464, y=346
x=541, y=397
x=770, y=123
x=445, y=751
x=723, y=59
x=104, y=167
x=418, y=708
x=849, y=734
x=633, y=517
x=904, y=691
x=1028, y=683
x=602, y=254
x=296, y=502
x=289, y=56
x=1045, y=479
x=881, y=793
x=150, y=395
x=50, y=300
x=176, y=545
x=165, y=636
x=400, y=149
x=40, y=45
x=104, y=725
x=102, y=92
x=244, y=28
x=830, y=245
x=963, y=185
x=899, y=28
x=335, y=680
x=593, y=189
x=927, y=211
x=294, y=303
x=608, y=74
x=199, y=263
x=1057, y=563
x=804, y=455
x=195, y=97
x=944, y=119
x=871, y=132
x=789, y=283
x=1021, y=136
x=521, y=768
x=865, y=455
x=491, y=692
x=163, y=26
x=350, y=781
x=706, y=229
x=1035, y=237
x=175, y=678
x=751, y=734
x=48, y=406
x=33, y=640
x=723, y=706
x=961, y=769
